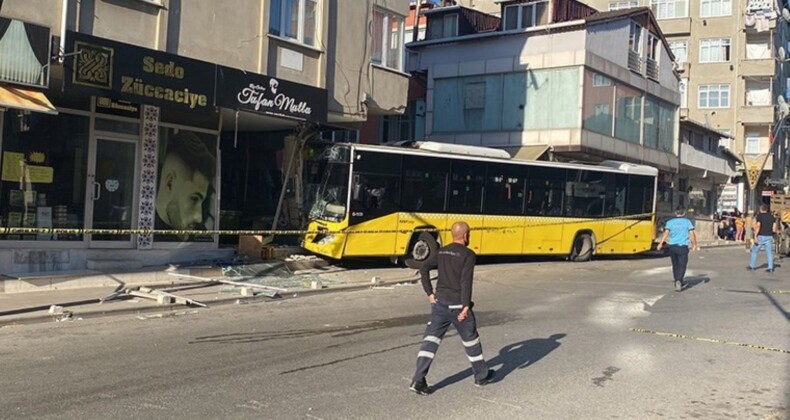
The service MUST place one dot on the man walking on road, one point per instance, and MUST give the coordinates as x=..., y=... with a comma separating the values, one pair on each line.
x=451, y=304
x=679, y=230
x=764, y=228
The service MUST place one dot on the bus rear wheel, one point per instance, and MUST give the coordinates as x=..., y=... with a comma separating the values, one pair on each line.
x=421, y=250
x=582, y=249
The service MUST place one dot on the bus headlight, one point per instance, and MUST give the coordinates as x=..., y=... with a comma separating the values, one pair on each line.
x=327, y=239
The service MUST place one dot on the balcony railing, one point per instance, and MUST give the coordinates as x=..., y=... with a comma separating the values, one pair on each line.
x=652, y=69
x=634, y=61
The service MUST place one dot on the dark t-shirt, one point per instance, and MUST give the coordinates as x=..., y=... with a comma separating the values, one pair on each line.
x=456, y=264
x=766, y=221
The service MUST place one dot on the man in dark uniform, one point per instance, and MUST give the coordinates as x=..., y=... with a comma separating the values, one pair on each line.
x=451, y=304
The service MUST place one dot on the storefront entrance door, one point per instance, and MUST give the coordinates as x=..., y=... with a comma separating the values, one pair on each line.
x=112, y=190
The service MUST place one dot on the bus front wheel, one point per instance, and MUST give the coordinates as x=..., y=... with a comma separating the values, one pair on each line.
x=582, y=248
x=421, y=249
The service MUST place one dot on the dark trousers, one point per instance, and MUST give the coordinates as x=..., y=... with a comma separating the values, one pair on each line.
x=442, y=316
x=680, y=259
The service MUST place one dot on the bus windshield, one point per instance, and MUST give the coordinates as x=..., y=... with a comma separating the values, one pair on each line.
x=333, y=192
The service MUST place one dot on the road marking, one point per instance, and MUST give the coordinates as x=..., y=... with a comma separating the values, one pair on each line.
x=710, y=340
x=501, y=403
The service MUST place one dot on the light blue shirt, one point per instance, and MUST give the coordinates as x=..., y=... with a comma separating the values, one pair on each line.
x=679, y=229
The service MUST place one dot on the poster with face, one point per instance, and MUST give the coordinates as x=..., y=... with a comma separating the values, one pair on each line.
x=186, y=193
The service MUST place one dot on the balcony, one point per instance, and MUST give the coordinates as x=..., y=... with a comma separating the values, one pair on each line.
x=677, y=26
x=652, y=69
x=634, y=61
x=757, y=114
x=705, y=161
x=765, y=67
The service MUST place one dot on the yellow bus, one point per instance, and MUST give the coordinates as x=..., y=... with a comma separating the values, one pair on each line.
x=400, y=201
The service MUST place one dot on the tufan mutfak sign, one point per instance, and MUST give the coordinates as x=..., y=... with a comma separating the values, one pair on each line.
x=245, y=91
x=126, y=72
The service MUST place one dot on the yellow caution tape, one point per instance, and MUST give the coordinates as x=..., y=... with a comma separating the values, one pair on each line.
x=268, y=232
x=777, y=292
x=710, y=340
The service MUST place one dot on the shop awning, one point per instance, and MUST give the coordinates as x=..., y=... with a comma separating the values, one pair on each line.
x=531, y=152
x=27, y=99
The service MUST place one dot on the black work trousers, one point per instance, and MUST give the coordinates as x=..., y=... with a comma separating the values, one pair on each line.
x=680, y=259
x=442, y=315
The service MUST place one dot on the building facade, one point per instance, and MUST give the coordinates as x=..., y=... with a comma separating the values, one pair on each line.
x=724, y=51
x=173, y=115
x=554, y=80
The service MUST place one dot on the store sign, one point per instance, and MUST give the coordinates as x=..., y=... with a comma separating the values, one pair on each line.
x=25, y=51
x=267, y=95
x=119, y=71
x=109, y=106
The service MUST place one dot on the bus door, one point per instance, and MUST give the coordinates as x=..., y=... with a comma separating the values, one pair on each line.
x=639, y=231
x=503, y=207
x=544, y=222
x=375, y=199
x=614, y=210
x=423, y=198
x=465, y=198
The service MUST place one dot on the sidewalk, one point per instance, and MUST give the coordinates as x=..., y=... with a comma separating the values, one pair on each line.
x=75, y=304
x=85, y=302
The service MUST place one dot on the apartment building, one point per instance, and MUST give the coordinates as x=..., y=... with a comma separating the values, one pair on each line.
x=168, y=114
x=553, y=80
x=724, y=51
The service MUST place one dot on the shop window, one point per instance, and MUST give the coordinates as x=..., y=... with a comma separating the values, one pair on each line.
x=295, y=19
x=44, y=169
x=186, y=193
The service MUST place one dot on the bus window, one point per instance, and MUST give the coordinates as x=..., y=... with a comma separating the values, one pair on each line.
x=505, y=189
x=616, y=196
x=375, y=185
x=466, y=187
x=424, y=184
x=545, y=191
x=640, y=195
x=589, y=193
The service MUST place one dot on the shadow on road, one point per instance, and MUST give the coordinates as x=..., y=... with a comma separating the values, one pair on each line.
x=511, y=357
x=776, y=304
x=694, y=281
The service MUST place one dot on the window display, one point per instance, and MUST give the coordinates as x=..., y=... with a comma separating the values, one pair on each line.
x=43, y=165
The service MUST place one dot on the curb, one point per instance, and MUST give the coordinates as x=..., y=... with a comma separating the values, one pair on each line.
x=177, y=310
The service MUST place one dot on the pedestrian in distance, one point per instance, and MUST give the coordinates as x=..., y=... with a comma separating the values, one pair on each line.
x=451, y=303
x=678, y=232
x=764, y=229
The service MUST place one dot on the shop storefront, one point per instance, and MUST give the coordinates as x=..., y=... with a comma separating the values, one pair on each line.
x=133, y=141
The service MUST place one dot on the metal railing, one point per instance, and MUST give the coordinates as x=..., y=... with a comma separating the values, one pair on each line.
x=634, y=61
x=652, y=69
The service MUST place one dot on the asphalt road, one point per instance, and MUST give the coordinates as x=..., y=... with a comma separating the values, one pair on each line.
x=608, y=339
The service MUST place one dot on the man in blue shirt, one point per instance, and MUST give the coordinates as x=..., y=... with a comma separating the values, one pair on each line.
x=679, y=230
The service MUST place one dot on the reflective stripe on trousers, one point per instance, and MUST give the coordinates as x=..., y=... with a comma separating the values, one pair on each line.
x=441, y=319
